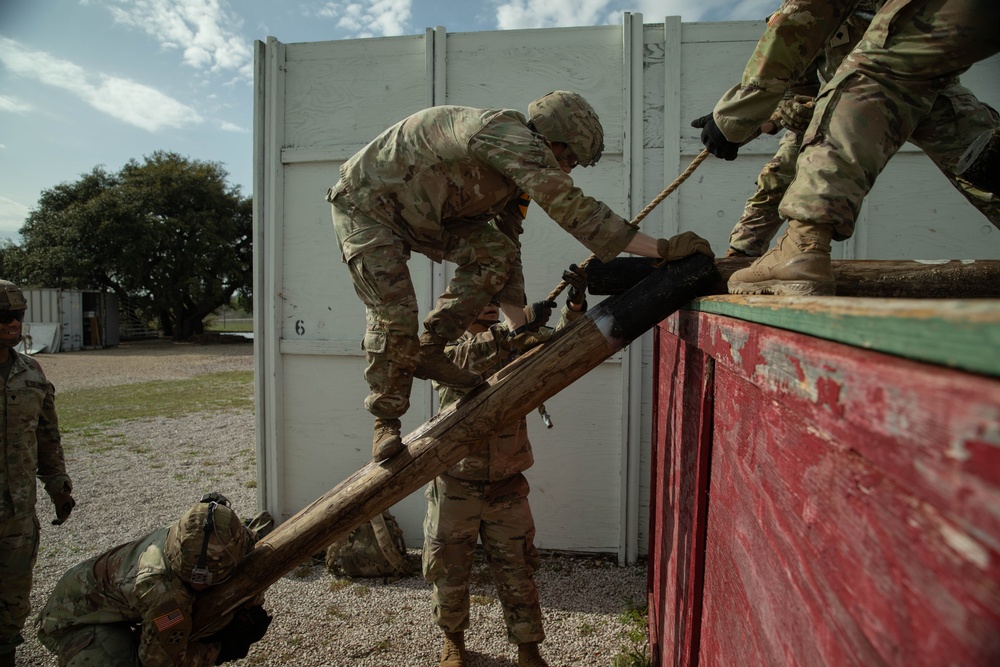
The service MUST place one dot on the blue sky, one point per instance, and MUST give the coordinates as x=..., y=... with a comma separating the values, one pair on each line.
x=98, y=82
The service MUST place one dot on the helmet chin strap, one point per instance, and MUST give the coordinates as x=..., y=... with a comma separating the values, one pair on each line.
x=200, y=574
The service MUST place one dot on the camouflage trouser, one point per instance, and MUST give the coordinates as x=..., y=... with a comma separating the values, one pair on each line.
x=879, y=97
x=376, y=258
x=107, y=645
x=760, y=222
x=943, y=135
x=18, y=551
x=459, y=512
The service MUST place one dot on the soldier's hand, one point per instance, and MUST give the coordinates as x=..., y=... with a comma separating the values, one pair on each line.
x=576, y=278
x=795, y=112
x=680, y=246
x=247, y=627
x=713, y=138
x=64, y=505
x=535, y=316
x=528, y=339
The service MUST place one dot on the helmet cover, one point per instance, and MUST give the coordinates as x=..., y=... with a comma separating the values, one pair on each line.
x=565, y=117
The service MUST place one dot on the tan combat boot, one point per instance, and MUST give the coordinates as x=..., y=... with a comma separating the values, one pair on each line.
x=434, y=365
x=386, y=442
x=453, y=651
x=798, y=266
x=528, y=656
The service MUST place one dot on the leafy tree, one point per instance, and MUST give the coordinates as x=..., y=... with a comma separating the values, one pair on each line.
x=168, y=233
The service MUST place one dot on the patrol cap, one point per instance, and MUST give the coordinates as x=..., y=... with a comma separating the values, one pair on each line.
x=564, y=116
x=11, y=296
x=206, y=543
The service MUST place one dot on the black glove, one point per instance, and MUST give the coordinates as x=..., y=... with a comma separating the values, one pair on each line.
x=247, y=627
x=535, y=316
x=576, y=277
x=64, y=504
x=713, y=138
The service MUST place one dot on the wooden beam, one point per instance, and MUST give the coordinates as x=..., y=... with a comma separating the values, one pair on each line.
x=933, y=279
x=450, y=436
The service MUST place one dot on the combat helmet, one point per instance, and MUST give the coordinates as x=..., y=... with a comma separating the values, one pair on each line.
x=206, y=543
x=564, y=116
x=11, y=296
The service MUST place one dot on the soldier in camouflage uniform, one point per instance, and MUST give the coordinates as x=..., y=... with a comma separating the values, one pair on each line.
x=431, y=183
x=131, y=606
x=485, y=496
x=31, y=447
x=959, y=115
x=889, y=89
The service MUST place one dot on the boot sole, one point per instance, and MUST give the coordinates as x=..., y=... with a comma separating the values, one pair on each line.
x=783, y=288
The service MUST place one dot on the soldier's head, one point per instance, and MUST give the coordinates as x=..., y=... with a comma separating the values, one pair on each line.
x=12, y=307
x=565, y=117
x=206, y=543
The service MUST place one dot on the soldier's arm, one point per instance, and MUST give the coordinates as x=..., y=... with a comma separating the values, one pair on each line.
x=522, y=156
x=511, y=223
x=51, y=459
x=794, y=36
x=166, y=633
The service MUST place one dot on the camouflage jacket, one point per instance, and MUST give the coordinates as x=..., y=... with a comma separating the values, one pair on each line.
x=449, y=166
x=508, y=452
x=132, y=583
x=32, y=445
x=794, y=36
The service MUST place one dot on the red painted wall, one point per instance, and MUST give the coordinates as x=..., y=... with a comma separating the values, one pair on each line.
x=819, y=504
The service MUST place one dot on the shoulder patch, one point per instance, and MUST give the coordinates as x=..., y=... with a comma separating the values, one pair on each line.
x=168, y=620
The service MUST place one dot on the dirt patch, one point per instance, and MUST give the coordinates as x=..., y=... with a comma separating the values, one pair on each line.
x=143, y=361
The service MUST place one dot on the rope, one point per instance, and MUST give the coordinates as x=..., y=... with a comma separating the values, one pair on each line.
x=643, y=213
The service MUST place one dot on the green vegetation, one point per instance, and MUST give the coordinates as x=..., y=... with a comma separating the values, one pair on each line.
x=86, y=409
x=217, y=325
x=635, y=650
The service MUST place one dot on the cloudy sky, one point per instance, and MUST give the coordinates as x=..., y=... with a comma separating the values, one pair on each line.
x=98, y=82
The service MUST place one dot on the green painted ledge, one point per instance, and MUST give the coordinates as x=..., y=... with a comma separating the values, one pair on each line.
x=960, y=333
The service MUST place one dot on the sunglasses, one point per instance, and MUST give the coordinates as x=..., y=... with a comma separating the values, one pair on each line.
x=8, y=316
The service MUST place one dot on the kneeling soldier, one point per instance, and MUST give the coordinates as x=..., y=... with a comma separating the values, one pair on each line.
x=131, y=606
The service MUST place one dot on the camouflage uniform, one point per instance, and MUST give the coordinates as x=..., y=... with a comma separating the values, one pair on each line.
x=485, y=496
x=132, y=605
x=431, y=183
x=896, y=85
x=943, y=135
x=31, y=447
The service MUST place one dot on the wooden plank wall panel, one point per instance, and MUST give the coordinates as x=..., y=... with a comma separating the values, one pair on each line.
x=682, y=437
x=854, y=501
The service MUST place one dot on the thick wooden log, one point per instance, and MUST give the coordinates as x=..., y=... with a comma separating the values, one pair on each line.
x=451, y=435
x=930, y=279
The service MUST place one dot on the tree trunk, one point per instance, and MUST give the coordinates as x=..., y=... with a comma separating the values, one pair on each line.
x=441, y=442
x=954, y=279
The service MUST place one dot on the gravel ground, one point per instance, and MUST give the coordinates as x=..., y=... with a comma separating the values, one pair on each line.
x=132, y=477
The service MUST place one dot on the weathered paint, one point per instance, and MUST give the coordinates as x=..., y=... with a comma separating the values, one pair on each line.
x=853, y=507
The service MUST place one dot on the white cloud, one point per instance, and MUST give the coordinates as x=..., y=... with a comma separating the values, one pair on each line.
x=14, y=105
x=126, y=100
x=12, y=217
x=226, y=126
x=207, y=32
x=369, y=18
x=517, y=14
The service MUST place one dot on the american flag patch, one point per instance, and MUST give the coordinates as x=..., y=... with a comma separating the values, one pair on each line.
x=168, y=621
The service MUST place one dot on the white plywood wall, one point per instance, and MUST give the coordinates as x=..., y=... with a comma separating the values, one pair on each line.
x=318, y=103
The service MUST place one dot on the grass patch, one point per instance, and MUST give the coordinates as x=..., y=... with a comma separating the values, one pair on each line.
x=635, y=651
x=86, y=409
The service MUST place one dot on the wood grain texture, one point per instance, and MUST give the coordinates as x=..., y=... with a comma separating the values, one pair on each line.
x=853, y=515
x=682, y=436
